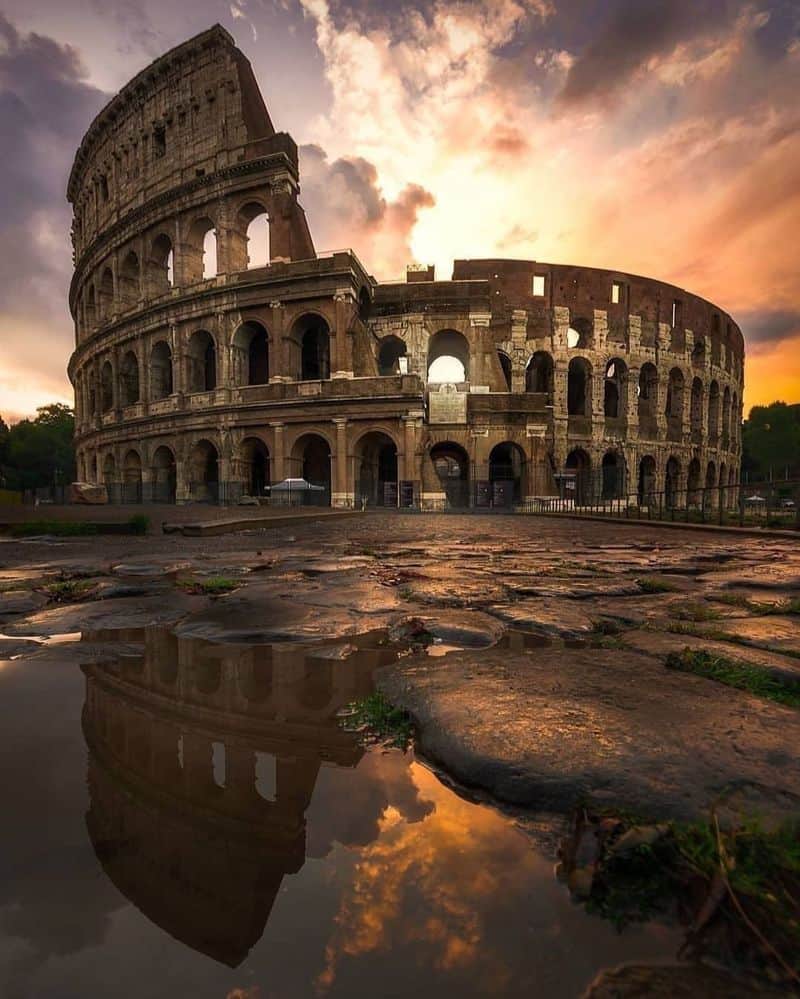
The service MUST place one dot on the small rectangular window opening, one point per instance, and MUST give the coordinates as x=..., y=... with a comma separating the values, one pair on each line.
x=159, y=142
x=616, y=293
x=538, y=285
x=676, y=314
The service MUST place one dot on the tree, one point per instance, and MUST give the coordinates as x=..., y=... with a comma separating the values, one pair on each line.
x=39, y=452
x=3, y=442
x=771, y=442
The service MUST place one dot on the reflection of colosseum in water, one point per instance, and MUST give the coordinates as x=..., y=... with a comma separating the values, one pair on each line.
x=218, y=352
x=202, y=762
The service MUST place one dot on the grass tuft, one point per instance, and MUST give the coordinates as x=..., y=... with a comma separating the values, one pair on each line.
x=379, y=721
x=69, y=590
x=742, y=676
x=214, y=586
x=695, y=611
x=652, y=584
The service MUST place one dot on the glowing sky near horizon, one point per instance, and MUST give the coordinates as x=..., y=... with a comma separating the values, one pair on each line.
x=659, y=138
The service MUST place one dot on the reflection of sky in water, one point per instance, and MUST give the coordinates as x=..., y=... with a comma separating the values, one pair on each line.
x=395, y=885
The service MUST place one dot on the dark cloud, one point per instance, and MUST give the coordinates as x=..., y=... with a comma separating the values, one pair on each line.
x=764, y=326
x=633, y=33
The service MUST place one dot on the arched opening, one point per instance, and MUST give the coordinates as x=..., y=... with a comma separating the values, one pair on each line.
x=164, y=475
x=579, y=387
x=647, y=402
x=312, y=336
x=160, y=371
x=129, y=289
x=674, y=405
x=451, y=466
x=392, y=359
x=672, y=474
x=254, y=220
x=255, y=454
x=448, y=358
x=311, y=460
x=250, y=357
x=579, y=476
x=505, y=364
x=699, y=352
x=711, y=483
x=579, y=334
x=91, y=307
x=614, y=477
x=726, y=417
x=106, y=293
x=539, y=374
x=207, y=679
x=713, y=412
x=132, y=478
x=160, y=267
x=376, y=470
x=615, y=399
x=696, y=411
x=204, y=472
x=647, y=481
x=723, y=485
x=129, y=379
x=106, y=387
x=507, y=474
x=693, y=479
x=109, y=473
x=201, y=251
x=202, y=362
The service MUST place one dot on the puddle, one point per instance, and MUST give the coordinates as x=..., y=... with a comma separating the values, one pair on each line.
x=194, y=810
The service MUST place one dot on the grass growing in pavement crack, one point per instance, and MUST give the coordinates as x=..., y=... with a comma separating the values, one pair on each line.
x=214, y=586
x=651, y=584
x=69, y=590
x=377, y=720
x=755, y=679
x=695, y=611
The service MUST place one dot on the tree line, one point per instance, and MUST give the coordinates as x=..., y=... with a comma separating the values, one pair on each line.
x=39, y=451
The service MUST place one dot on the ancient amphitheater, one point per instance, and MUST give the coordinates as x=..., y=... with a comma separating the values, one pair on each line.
x=218, y=352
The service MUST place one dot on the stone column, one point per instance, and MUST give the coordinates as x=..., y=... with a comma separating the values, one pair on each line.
x=342, y=363
x=519, y=334
x=343, y=491
x=277, y=456
x=479, y=321
x=278, y=358
x=410, y=468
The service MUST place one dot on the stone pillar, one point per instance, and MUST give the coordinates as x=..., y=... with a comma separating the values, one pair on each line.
x=600, y=330
x=409, y=467
x=519, y=334
x=632, y=402
x=278, y=358
x=342, y=362
x=479, y=322
x=343, y=491
x=277, y=456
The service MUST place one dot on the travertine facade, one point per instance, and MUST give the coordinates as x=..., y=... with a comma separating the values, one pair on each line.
x=207, y=366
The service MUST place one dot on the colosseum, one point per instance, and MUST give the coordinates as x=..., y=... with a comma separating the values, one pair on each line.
x=218, y=354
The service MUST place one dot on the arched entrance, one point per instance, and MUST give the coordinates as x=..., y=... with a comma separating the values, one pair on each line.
x=132, y=478
x=579, y=478
x=451, y=465
x=539, y=374
x=376, y=470
x=507, y=474
x=672, y=475
x=250, y=355
x=579, y=387
x=256, y=471
x=312, y=346
x=311, y=460
x=392, y=358
x=693, y=483
x=647, y=481
x=614, y=483
x=448, y=358
x=204, y=472
x=201, y=362
x=164, y=475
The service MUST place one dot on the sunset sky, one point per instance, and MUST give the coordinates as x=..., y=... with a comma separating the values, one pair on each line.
x=660, y=137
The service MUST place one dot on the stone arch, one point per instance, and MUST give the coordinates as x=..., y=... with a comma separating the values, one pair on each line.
x=615, y=389
x=579, y=463
x=673, y=404
x=129, y=281
x=711, y=475
x=448, y=357
x=164, y=475
x=109, y=471
x=256, y=466
x=647, y=404
x=106, y=387
x=106, y=293
x=506, y=366
x=451, y=473
x=579, y=387
x=250, y=354
x=696, y=411
x=161, y=384
x=580, y=335
x=713, y=412
x=200, y=263
x=90, y=306
x=310, y=459
x=672, y=475
x=392, y=356
x=132, y=477
x=310, y=341
x=539, y=374
x=376, y=471
x=207, y=674
x=693, y=479
x=129, y=379
x=614, y=475
x=647, y=481
x=508, y=474
x=201, y=358
x=204, y=472
x=699, y=352
x=726, y=417
x=160, y=265
x=255, y=678
x=253, y=229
